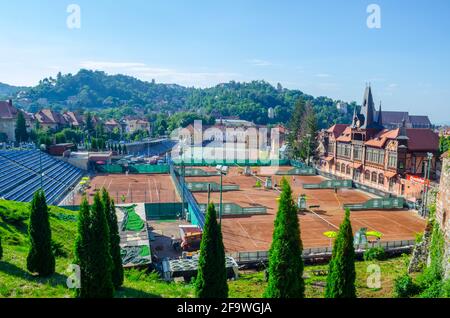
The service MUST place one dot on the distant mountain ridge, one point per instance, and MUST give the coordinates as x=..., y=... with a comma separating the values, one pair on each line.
x=96, y=90
x=9, y=90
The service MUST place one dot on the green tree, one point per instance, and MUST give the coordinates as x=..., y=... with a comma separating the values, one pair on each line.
x=82, y=253
x=212, y=276
x=114, y=239
x=93, y=252
x=1, y=248
x=308, y=142
x=341, y=273
x=285, y=260
x=21, y=128
x=89, y=122
x=40, y=258
x=295, y=128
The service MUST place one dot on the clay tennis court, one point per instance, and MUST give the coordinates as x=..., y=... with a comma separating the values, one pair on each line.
x=254, y=233
x=142, y=188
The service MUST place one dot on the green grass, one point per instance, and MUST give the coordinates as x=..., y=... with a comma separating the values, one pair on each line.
x=15, y=281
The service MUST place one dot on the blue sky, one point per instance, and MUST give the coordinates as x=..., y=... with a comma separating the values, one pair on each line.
x=321, y=47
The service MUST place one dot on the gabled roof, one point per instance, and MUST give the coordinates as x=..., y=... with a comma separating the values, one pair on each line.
x=422, y=139
x=48, y=116
x=346, y=135
x=112, y=122
x=421, y=120
x=380, y=139
x=337, y=129
x=7, y=110
x=73, y=118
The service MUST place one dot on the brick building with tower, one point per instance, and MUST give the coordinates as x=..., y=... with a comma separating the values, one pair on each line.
x=390, y=159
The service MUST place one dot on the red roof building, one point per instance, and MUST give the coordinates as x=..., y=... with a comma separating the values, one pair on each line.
x=370, y=154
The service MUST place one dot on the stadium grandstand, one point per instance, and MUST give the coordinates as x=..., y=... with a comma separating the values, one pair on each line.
x=20, y=175
x=151, y=148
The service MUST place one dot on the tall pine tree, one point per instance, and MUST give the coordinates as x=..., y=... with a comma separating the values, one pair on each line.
x=285, y=255
x=114, y=239
x=40, y=258
x=341, y=273
x=295, y=128
x=21, y=128
x=212, y=276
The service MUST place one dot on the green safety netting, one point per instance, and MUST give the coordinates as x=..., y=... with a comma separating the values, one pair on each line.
x=135, y=255
x=131, y=221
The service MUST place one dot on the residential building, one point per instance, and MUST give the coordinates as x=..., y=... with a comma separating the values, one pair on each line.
x=8, y=118
x=50, y=120
x=134, y=125
x=392, y=160
x=73, y=119
x=112, y=124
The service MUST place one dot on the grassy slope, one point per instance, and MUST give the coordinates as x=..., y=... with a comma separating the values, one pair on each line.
x=15, y=281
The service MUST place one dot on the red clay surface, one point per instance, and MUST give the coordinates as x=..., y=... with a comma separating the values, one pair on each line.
x=254, y=233
x=143, y=188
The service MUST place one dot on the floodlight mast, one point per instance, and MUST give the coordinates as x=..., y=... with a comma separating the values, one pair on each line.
x=223, y=170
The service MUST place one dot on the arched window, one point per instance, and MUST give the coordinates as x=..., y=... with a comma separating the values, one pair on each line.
x=381, y=179
x=338, y=167
x=348, y=171
x=367, y=175
x=374, y=177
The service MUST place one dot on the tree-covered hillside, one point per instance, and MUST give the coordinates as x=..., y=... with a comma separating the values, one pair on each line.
x=119, y=95
x=8, y=90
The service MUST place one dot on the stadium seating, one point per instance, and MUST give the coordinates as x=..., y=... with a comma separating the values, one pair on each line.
x=20, y=176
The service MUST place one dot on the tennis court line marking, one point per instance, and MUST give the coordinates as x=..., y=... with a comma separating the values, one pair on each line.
x=150, y=189
x=248, y=235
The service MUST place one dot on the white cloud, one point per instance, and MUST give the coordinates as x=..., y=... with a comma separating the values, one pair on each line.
x=323, y=75
x=100, y=65
x=163, y=75
x=258, y=62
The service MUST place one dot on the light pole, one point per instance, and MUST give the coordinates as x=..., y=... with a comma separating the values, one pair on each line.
x=309, y=146
x=41, y=148
x=223, y=170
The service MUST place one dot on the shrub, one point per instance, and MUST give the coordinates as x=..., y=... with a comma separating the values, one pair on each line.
x=375, y=253
x=404, y=287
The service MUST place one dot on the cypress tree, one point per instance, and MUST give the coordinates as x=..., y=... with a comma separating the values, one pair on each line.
x=100, y=261
x=21, y=128
x=341, y=273
x=285, y=255
x=82, y=255
x=212, y=276
x=40, y=258
x=114, y=239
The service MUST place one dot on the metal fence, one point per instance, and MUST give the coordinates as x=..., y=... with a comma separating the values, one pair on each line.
x=215, y=187
x=232, y=209
x=134, y=169
x=262, y=256
x=197, y=217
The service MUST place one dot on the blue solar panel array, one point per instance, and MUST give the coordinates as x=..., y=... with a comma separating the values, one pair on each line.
x=20, y=175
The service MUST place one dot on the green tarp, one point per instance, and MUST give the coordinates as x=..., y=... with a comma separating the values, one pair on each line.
x=378, y=204
x=330, y=184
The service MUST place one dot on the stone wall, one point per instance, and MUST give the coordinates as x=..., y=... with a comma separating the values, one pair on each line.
x=443, y=208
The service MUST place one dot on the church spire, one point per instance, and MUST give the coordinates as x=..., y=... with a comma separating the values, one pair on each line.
x=368, y=108
x=380, y=117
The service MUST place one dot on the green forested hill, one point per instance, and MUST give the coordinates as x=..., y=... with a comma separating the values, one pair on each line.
x=119, y=95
